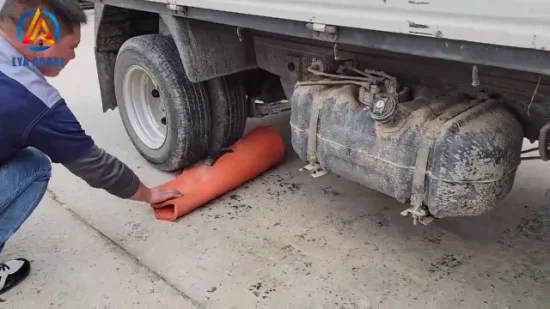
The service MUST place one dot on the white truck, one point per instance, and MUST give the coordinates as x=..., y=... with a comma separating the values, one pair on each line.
x=427, y=101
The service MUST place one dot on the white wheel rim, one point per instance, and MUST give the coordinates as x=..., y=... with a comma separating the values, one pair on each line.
x=144, y=106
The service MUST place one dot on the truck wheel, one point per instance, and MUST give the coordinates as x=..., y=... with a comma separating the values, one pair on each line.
x=165, y=115
x=229, y=113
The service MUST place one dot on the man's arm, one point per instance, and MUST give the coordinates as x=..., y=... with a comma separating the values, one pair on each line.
x=59, y=135
x=101, y=170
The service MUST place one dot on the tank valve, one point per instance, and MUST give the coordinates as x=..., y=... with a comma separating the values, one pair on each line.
x=384, y=109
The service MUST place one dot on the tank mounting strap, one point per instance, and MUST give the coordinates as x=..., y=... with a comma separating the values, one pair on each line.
x=419, y=178
x=419, y=214
x=544, y=141
x=314, y=167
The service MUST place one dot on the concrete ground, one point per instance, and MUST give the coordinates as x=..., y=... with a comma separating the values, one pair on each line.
x=283, y=240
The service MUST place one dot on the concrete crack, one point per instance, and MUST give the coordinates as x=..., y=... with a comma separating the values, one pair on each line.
x=155, y=274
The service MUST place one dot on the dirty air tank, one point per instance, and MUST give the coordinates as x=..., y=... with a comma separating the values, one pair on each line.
x=445, y=154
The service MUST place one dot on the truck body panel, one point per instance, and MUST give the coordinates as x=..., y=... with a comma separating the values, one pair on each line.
x=513, y=23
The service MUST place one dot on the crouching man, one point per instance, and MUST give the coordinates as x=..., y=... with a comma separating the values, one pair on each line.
x=37, y=127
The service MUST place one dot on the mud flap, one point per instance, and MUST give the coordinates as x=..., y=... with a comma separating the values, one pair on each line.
x=197, y=41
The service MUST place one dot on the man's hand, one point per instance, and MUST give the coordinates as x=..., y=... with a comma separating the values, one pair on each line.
x=161, y=195
x=155, y=196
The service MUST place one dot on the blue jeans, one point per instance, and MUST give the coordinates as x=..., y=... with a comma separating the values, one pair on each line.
x=23, y=182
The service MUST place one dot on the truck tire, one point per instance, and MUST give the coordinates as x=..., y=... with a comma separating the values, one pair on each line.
x=165, y=115
x=229, y=113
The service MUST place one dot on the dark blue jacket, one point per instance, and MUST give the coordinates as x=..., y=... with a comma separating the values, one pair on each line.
x=33, y=114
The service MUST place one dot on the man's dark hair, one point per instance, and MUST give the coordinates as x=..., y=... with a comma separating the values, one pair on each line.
x=67, y=12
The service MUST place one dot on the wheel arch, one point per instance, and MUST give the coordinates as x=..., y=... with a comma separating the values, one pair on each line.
x=207, y=50
x=112, y=27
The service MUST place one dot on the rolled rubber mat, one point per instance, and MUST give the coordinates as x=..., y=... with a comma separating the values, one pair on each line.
x=259, y=150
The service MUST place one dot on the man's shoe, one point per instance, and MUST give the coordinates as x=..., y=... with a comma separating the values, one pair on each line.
x=12, y=273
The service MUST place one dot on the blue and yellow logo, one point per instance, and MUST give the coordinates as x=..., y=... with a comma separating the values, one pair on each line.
x=38, y=28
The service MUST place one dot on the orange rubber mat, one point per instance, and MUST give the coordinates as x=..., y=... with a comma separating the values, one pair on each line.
x=259, y=150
